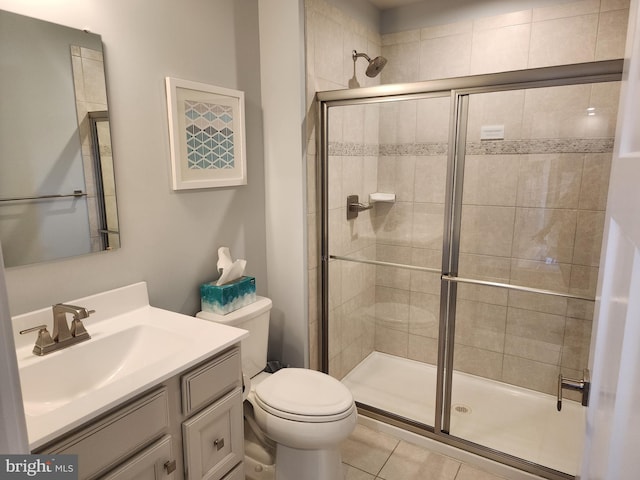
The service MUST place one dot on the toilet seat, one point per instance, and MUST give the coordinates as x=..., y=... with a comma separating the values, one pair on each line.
x=304, y=395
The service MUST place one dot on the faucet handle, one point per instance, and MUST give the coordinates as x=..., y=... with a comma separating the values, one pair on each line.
x=44, y=342
x=77, y=328
x=38, y=328
x=81, y=313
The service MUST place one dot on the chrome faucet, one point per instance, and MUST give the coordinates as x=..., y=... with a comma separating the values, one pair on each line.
x=61, y=330
x=63, y=336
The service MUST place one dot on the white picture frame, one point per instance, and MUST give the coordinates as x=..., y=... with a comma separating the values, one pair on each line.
x=206, y=135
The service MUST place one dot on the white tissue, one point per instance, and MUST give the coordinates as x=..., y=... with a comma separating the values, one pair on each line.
x=228, y=269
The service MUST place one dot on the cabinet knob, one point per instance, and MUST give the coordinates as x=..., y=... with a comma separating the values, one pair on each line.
x=218, y=443
x=170, y=466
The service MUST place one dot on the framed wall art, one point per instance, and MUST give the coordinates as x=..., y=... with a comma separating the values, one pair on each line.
x=206, y=133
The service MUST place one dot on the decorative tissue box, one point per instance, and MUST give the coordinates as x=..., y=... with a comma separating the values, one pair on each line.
x=226, y=298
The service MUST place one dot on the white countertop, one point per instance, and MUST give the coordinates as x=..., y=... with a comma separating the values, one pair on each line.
x=118, y=312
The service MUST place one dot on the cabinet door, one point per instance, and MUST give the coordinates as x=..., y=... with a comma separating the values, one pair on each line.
x=153, y=463
x=213, y=439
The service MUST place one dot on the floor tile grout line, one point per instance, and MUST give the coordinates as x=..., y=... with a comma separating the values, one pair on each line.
x=361, y=470
x=388, y=458
x=459, y=468
x=394, y=449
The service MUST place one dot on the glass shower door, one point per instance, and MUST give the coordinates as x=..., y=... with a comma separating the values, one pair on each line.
x=526, y=248
x=385, y=250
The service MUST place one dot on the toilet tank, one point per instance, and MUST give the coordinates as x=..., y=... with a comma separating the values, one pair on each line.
x=254, y=318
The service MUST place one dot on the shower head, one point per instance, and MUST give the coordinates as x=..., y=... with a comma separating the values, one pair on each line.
x=375, y=66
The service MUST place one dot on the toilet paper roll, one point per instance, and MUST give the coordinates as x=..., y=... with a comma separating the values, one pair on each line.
x=246, y=386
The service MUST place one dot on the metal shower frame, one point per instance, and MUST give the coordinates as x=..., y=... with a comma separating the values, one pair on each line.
x=458, y=89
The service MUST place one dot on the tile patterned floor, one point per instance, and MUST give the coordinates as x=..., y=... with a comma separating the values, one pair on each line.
x=371, y=455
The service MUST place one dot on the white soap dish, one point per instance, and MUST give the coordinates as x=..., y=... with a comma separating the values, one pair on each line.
x=382, y=197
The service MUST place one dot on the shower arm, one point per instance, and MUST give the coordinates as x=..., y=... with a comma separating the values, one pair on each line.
x=375, y=66
x=355, y=55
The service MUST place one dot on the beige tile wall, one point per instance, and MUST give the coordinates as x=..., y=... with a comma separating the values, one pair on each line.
x=331, y=36
x=533, y=219
x=91, y=95
x=546, y=216
x=581, y=31
x=108, y=182
x=413, y=165
x=509, y=336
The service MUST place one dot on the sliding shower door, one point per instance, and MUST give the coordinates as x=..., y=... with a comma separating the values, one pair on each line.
x=385, y=249
x=532, y=172
x=461, y=231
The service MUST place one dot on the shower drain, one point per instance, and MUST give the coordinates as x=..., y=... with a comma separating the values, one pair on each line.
x=462, y=409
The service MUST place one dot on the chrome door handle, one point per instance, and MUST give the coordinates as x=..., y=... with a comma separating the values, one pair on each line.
x=583, y=385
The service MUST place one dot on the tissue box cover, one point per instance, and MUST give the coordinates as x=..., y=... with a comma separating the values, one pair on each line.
x=226, y=298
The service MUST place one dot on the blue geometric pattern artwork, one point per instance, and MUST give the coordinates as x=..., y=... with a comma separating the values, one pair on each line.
x=209, y=129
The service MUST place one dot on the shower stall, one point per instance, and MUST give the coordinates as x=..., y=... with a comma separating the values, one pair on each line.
x=460, y=242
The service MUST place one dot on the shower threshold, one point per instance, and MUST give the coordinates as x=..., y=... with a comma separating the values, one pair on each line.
x=514, y=420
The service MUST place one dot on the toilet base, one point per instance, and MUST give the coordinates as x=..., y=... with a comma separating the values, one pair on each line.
x=259, y=457
x=255, y=470
x=296, y=464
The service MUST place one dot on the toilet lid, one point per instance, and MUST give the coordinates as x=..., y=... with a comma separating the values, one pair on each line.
x=297, y=392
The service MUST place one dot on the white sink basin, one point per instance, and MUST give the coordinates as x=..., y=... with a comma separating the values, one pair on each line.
x=133, y=347
x=66, y=375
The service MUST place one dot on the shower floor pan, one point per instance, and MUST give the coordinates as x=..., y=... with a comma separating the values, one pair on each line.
x=510, y=419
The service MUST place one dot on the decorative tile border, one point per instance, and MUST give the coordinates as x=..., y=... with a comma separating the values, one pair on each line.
x=547, y=145
x=353, y=149
x=415, y=149
x=488, y=147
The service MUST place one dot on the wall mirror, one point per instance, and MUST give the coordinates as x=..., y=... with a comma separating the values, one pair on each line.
x=57, y=187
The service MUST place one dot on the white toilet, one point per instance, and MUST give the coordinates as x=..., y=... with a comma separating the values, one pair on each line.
x=306, y=413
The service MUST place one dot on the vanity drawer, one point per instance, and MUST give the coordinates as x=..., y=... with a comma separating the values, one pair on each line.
x=213, y=439
x=154, y=462
x=110, y=440
x=211, y=380
x=236, y=474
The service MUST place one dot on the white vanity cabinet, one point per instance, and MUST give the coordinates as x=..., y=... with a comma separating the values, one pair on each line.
x=213, y=438
x=189, y=427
